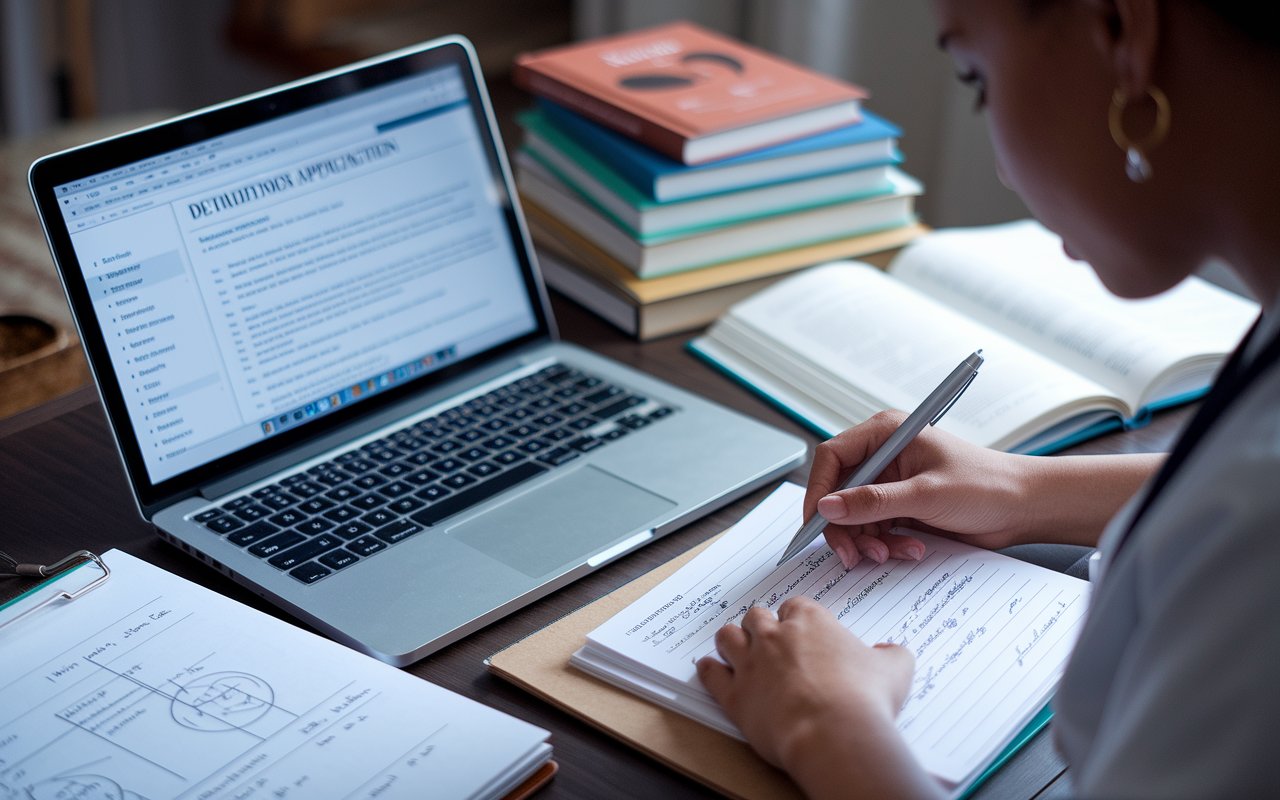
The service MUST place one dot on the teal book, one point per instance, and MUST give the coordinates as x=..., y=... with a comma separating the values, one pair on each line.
x=1065, y=359
x=871, y=142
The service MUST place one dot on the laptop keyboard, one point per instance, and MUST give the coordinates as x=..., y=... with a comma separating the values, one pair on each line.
x=313, y=523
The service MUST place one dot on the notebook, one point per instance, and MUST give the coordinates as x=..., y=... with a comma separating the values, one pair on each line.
x=146, y=685
x=324, y=348
x=990, y=634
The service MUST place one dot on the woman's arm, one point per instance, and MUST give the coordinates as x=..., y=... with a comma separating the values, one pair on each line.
x=942, y=484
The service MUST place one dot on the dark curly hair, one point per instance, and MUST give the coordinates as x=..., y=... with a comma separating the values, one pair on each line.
x=1257, y=19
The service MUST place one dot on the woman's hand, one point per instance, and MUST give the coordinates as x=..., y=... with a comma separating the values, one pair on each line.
x=942, y=484
x=817, y=702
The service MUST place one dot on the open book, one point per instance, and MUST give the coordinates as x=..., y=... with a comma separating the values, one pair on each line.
x=990, y=634
x=1065, y=359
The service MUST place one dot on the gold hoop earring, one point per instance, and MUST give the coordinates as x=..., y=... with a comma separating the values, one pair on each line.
x=1137, y=166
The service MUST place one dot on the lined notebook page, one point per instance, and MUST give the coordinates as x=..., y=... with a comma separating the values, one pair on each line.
x=990, y=634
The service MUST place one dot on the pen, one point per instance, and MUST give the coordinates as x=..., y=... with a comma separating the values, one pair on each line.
x=929, y=412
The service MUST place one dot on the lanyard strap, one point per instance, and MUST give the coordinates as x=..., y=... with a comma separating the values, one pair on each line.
x=1232, y=382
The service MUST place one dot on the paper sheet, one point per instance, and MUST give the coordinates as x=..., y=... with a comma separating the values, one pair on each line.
x=151, y=687
x=990, y=634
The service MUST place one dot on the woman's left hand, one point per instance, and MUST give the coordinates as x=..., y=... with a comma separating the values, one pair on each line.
x=817, y=702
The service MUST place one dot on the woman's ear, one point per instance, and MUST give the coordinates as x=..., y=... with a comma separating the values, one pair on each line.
x=1127, y=32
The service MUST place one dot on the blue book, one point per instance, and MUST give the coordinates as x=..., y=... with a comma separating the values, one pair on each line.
x=869, y=143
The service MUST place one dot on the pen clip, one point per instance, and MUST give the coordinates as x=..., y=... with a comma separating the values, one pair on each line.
x=948, y=406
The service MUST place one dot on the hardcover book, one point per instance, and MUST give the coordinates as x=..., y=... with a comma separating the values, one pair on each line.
x=692, y=94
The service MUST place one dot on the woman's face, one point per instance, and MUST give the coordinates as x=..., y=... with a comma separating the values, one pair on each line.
x=1046, y=83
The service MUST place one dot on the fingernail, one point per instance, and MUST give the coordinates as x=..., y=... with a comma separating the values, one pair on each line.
x=917, y=552
x=832, y=507
x=848, y=555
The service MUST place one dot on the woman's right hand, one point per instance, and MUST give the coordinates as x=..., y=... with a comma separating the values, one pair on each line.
x=945, y=485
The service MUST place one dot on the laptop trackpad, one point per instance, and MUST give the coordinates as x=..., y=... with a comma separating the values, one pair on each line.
x=567, y=519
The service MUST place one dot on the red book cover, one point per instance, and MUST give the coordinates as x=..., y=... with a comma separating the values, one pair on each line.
x=678, y=83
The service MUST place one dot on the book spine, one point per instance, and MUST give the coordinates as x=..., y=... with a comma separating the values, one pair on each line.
x=645, y=131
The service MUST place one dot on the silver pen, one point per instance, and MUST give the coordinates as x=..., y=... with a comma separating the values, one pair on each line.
x=938, y=402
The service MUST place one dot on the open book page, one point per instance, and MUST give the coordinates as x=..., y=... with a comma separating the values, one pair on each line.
x=1015, y=278
x=152, y=687
x=861, y=333
x=990, y=634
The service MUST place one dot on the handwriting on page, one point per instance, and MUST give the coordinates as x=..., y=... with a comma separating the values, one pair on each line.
x=984, y=629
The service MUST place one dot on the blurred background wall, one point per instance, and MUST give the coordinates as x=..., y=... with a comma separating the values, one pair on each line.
x=81, y=59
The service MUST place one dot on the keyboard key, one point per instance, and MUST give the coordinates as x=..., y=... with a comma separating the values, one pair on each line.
x=395, y=470
x=476, y=494
x=205, y=516
x=422, y=458
x=422, y=477
x=558, y=434
x=525, y=431
x=341, y=493
x=474, y=453
x=405, y=504
x=276, y=502
x=351, y=530
x=471, y=435
x=588, y=383
x=630, y=401
x=436, y=432
x=315, y=505
x=493, y=424
x=314, y=525
x=543, y=402
x=332, y=478
x=586, y=444
x=572, y=408
x=378, y=518
x=547, y=420
x=566, y=392
x=366, y=546
x=509, y=457
x=519, y=414
x=341, y=513
x=395, y=489
x=661, y=412
x=369, y=481
x=448, y=465
x=582, y=423
x=398, y=531
x=634, y=422
x=498, y=442
x=337, y=559
x=287, y=519
x=239, y=502
x=458, y=480
x=368, y=501
x=305, y=490
x=264, y=491
x=254, y=533
x=447, y=446
x=310, y=572
x=347, y=457
x=558, y=456
x=534, y=446
x=294, y=480
x=384, y=454
x=602, y=395
x=223, y=524
x=275, y=544
x=304, y=552
x=432, y=493
x=616, y=433
x=484, y=469
x=511, y=400
x=358, y=465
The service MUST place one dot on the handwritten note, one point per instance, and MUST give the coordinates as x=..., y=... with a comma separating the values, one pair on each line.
x=990, y=634
x=152, y=687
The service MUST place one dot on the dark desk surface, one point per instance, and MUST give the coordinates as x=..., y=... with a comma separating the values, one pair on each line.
x=63, y=489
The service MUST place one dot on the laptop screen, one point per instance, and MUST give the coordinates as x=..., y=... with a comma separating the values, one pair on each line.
x=253, y=283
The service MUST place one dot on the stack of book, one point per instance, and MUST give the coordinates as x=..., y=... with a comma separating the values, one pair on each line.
x=669, y=173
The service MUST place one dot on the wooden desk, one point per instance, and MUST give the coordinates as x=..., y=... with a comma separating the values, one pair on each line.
x=63, y=489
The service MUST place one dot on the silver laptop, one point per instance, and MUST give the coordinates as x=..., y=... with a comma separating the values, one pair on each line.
x=327, y=356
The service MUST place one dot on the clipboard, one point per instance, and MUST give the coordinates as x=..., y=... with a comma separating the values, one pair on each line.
x=57, y=571
x=539, y=664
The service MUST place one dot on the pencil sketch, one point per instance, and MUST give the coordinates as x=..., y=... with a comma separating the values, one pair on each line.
x=222, y=701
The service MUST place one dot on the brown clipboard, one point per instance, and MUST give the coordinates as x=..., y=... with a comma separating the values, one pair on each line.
x=539, y=664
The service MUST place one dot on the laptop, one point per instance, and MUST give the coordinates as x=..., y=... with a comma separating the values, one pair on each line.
x=320, y=336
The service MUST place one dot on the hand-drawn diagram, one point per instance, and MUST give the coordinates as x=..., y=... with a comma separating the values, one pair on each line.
x=222, y=701
x=80, y=787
